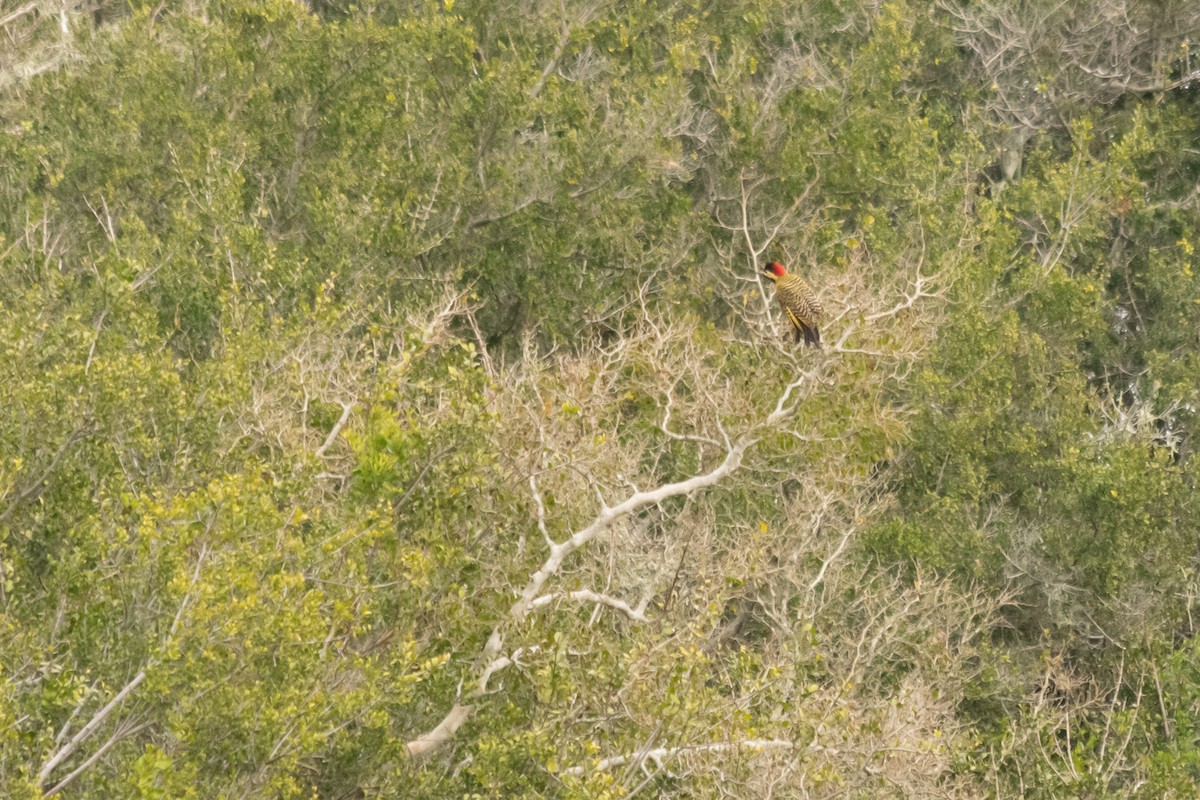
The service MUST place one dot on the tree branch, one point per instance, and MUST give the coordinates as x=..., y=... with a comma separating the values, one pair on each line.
x=96, y=756
x=661, y=753
x=87, y=730
x=337, y=427
x=38, y=486
x=20, y=12
x=587, y=595
x=532, y=598
x=445, y=730
x=609, y=515
x=541, y=514
x=665, y=425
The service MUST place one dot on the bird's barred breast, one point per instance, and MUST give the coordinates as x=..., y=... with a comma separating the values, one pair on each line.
x=796, y=295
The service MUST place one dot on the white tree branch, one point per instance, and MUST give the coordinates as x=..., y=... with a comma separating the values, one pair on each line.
x=910, y=299
x=782, y=409
x=665, y=426
x=541, y=514
x=96, y=756
x=610, y=514
x=660, y=753
x=20, y=12
x=504, y=662
x=587, y=595
x=337, y=427
x=87, y=730
x=94, y=723
x=829, y=560
x=445, y=730
x=532, y=596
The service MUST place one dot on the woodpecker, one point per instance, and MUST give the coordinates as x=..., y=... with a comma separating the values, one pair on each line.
x=796, y=299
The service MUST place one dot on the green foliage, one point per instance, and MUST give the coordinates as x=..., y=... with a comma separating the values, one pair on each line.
x=320, y=319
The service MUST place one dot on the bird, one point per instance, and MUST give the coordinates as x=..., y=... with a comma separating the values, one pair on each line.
x=798, y=303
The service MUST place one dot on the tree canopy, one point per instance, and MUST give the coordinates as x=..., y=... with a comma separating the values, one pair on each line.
x=393, y=404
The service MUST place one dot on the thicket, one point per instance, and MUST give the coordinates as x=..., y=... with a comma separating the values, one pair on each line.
x=391, y=404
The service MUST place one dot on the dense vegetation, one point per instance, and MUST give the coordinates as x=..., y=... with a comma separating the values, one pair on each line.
x=391, y=404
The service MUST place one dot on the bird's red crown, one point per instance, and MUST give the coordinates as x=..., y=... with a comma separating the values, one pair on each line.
x=776, y=269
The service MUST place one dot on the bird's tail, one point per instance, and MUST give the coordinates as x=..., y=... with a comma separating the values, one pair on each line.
x=808, y=334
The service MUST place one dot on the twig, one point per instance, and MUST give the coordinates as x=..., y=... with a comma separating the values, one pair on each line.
x=187, y=597
x=661, y=753
x=92, y=350
x=38, y=486
x=20, y=12
x=541, y=514
x=587, y=595
x=1162, y=707
x=665, y=425
x=399, y=504
x=564, y=38
x=337, y=427
x=96, y=756
x=837, y=552
x=87, y=730
x=484, y=356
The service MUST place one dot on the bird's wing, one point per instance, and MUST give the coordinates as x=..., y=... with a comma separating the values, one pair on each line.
x=794, y=319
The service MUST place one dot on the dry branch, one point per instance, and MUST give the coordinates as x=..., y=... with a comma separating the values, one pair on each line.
x=660, y=754
x=87, y=730
x=638, y=614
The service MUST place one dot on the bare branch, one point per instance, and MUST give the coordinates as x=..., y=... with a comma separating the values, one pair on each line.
x=440, y=735
x=662, y=753
x=87, y=730
x=95, y=339
x=910, y=299
x=118, y=735
x=541, y=514
x=504, y=662
x=37, y=486
x=564, y=38
x=609, y=515
x=412, y=486
x=665, y=426
x=187, y=597
x=558, y=553
x=484, y=357
x=829, y=560
x=587, y=595
x=20, y=12
x=337, y=427
x=499, y=216
x=782, y=409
